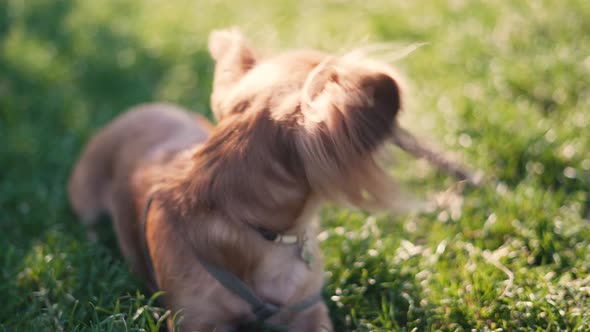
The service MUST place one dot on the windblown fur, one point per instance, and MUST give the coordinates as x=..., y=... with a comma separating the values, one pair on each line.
x=293, y=130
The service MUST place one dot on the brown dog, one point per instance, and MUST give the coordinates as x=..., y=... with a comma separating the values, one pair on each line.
x=293, y=130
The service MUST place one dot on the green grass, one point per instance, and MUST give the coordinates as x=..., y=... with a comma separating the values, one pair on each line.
x=505, y=85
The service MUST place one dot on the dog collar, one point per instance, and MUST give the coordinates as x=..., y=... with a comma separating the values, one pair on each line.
x=301, y=241
x=280, y=238
x=287, y=239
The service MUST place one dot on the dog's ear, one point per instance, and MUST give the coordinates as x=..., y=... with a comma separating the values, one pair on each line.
x=348, y=112
x=233, y=59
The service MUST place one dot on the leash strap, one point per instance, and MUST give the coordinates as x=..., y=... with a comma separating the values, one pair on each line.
x=261, y=309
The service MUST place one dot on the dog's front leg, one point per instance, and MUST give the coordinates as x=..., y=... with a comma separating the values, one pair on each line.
x=315, y=319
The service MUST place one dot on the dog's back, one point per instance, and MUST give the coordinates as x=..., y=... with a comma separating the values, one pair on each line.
x=139, y=136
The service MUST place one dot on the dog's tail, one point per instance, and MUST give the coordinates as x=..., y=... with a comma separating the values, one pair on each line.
x=91, y=179
x=410, y=144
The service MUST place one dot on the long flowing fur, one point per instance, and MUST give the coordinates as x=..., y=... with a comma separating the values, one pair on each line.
x=293, y=130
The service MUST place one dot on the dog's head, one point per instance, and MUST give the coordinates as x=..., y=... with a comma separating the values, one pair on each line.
x=317, y=116
x=291, y=128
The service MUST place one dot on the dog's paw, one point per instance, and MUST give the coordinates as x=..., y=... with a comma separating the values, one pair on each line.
x=222, y=41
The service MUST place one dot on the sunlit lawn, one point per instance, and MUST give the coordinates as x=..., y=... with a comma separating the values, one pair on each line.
x=504, y=85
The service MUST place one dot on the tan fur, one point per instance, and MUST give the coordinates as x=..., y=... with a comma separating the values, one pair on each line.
x=294, y=130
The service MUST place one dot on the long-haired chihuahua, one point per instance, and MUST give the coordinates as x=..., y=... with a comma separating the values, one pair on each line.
x=219, y=217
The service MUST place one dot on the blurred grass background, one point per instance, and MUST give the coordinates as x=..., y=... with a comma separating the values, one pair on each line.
x=505, y=84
